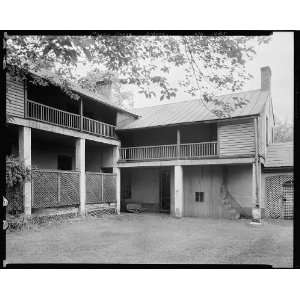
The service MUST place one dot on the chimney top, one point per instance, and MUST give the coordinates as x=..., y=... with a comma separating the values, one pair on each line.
x=266, y=75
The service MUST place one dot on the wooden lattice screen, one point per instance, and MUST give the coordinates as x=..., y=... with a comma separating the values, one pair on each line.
x=279, y=197
x=100, y=188
x=54, y=188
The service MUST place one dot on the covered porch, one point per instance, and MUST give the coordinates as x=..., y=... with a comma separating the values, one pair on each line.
x=193, y=141
x=208, y=190
x=65, y=171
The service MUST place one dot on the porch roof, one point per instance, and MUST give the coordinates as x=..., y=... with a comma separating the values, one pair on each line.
x=279, y=155
x=194, y=111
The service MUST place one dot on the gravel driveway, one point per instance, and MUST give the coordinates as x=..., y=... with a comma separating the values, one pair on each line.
x=154, y=238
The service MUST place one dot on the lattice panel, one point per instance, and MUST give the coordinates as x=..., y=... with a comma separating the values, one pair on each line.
x=100, y=188
x=275, y=192
x=44, y=189
x=69, y=189
x=109, y=188
x=51, y=188
x=93, y=188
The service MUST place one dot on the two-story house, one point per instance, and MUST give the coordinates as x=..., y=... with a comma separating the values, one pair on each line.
x=177, y=158
x=181, y=158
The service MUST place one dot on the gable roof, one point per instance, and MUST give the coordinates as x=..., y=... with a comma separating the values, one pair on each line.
x=194, y=111
x=279, y=155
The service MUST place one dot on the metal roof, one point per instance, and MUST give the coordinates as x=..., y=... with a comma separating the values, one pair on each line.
x=194, y=111
x=280, y=155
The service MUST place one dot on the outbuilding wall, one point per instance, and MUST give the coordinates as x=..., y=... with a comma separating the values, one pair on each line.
x=240, y=186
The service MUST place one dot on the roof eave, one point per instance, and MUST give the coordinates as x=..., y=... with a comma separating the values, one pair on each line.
x=192, y=122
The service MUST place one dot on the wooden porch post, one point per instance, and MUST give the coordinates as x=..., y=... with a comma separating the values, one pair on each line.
x=81, y=114
x=256, y=178
x=178, y=185
x=117, y=171
x=80, y=166
x=25, y=156
x=178, y=143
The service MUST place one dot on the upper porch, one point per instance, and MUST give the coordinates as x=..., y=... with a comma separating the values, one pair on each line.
x=48, y=108
x=200, y=141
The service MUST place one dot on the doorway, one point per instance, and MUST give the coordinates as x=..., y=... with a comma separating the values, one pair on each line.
x=164, y=191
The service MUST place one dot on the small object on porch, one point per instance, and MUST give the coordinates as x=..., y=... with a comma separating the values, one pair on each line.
x=134, y=208
x=256, y=216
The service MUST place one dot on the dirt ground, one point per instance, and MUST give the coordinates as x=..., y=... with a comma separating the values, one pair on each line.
x=154, y=238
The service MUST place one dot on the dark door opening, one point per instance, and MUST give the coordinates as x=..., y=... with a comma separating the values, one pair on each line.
x=64, y=162
x=164, y=190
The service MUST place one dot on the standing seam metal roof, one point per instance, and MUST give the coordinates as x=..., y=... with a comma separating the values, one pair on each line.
x=195, y=111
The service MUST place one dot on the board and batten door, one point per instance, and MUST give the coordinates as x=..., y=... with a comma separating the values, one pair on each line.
x=164, y=190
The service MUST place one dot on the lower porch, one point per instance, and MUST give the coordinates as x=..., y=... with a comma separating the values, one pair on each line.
x=219, y=191
x=67, y=174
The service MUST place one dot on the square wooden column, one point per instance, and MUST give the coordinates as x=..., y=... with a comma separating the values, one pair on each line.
x=117, y=171
x=25, y=156
x=256, y=190
x=80, y=166
x=178, y=185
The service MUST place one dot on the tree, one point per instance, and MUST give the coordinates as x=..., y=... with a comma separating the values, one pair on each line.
x=209, y=63
x=283, y=132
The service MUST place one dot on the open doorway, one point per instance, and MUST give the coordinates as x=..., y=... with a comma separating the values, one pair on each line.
x=164, y=190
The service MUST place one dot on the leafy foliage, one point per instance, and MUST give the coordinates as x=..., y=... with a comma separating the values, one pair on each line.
x=16, y=175
x=283, y=132
x=209, y=63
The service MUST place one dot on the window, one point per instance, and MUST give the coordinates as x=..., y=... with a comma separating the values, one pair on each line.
x=126, y=187
x=199, y=196
x=64, y=162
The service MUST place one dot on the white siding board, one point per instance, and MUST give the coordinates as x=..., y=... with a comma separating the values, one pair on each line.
x=15, y=98
x=236, y=139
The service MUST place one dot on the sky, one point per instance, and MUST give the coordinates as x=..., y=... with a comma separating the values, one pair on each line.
x=278, y=55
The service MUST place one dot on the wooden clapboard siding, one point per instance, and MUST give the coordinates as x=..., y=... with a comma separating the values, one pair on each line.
x=237, y=138
x=15, y=97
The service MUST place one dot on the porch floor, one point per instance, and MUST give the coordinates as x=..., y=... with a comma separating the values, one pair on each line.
x=154, y=238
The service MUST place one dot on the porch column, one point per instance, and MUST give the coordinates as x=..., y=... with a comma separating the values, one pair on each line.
x=25, y=156
x=256, y=191
x=178, y=142
x=80, y=166
x=117, y=171
x=178, y=184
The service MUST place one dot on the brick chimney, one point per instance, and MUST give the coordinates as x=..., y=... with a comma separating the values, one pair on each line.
x=266, y=75
x=103, y=87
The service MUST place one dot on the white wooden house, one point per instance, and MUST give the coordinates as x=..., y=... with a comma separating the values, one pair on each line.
x=177, y=158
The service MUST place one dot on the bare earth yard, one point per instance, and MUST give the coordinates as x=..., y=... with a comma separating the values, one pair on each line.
x=150, y=238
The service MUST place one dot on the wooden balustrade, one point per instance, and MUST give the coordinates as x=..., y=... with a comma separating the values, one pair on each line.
x=44, y=113
x=148, y=152
x=193, y=150
x=198, y=149
x=98, y=128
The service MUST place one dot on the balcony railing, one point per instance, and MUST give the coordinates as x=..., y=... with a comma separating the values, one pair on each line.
x=44, y=113
x=174, y=151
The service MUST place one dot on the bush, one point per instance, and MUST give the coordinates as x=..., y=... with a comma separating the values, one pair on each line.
x=16, y=175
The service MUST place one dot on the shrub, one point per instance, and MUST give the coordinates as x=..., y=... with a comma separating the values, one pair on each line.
x=16, y=174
